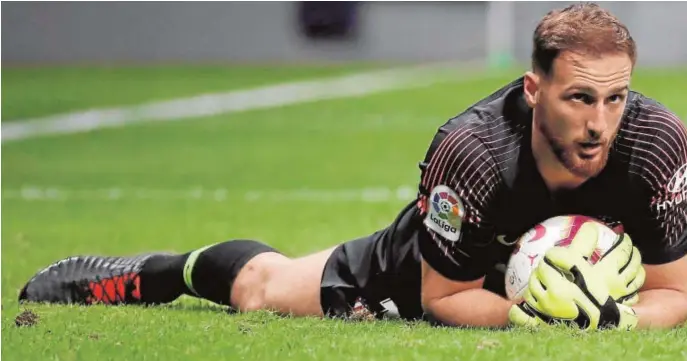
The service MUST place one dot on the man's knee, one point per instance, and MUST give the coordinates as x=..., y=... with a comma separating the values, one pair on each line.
x=252, y=285
x=271, y=281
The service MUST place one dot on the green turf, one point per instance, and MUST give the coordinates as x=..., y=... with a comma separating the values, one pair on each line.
x=31, y=92
x=340, y=144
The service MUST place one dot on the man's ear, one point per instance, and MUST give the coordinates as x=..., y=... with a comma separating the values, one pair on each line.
x=532, y=88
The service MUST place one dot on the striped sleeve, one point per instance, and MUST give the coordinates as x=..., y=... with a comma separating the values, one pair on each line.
x=460, y=183
x=659, y=229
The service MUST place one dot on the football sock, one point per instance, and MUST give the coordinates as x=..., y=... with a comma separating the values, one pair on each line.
x=208, y=272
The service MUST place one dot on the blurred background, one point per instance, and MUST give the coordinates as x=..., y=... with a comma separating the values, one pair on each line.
x=97, y=32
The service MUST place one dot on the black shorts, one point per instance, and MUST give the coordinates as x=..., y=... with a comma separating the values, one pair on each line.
x=349, y=286
x=381, y=274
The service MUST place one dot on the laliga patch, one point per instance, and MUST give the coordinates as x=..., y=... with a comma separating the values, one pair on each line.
x=445, y=213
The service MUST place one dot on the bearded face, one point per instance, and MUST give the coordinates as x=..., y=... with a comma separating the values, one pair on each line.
x=578, y=109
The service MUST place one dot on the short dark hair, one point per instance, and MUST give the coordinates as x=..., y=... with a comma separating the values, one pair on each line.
x=583, y=28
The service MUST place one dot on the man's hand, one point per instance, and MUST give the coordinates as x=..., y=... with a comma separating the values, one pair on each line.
x=622, y=271
x=563, y=288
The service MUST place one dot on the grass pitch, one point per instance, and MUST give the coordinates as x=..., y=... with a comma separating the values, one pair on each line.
x=167, y=177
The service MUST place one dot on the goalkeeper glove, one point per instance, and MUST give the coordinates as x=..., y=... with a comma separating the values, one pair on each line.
x=622, y=270
x=562, y=289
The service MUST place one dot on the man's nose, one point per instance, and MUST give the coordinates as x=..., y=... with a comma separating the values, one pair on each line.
x=597, y=123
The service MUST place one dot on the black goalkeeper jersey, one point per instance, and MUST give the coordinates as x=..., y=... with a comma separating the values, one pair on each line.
x=484, y=157
x=480, y=190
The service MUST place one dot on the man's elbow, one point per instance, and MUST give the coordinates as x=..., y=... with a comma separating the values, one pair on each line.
x=682, y=292
x=436, y=306
x=428, y=302
x=435, y=313
x=430, y=309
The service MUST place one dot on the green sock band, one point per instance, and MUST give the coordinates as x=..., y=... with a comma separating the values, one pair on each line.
x=188, y=268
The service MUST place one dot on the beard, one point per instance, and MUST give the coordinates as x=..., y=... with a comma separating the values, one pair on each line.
x=568, y=155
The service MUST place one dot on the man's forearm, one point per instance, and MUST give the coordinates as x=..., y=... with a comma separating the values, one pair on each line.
x=661, y=308
x=474, y=307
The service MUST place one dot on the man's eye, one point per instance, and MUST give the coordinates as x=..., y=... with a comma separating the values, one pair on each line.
x=582, y=97
x=616, y=98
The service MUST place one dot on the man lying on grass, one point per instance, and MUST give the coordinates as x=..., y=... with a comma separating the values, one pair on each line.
x=568, y=137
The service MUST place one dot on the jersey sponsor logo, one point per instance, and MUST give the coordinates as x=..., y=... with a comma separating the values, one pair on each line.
x=678, y=183
x=677, y=190
x=445, y=213
x=674, y=200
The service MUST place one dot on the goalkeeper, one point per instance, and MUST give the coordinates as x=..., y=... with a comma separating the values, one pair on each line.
x=568, y=137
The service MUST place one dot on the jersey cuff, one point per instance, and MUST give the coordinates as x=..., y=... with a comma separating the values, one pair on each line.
x=446, y=267
x=663, y=256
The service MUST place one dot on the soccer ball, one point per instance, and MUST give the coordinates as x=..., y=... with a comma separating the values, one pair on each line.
x=557, y=231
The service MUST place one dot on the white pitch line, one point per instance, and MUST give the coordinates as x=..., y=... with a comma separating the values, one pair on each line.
x=58, y=194
x=233, y=101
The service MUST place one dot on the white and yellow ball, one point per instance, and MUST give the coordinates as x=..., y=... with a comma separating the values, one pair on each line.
x=557, y=231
